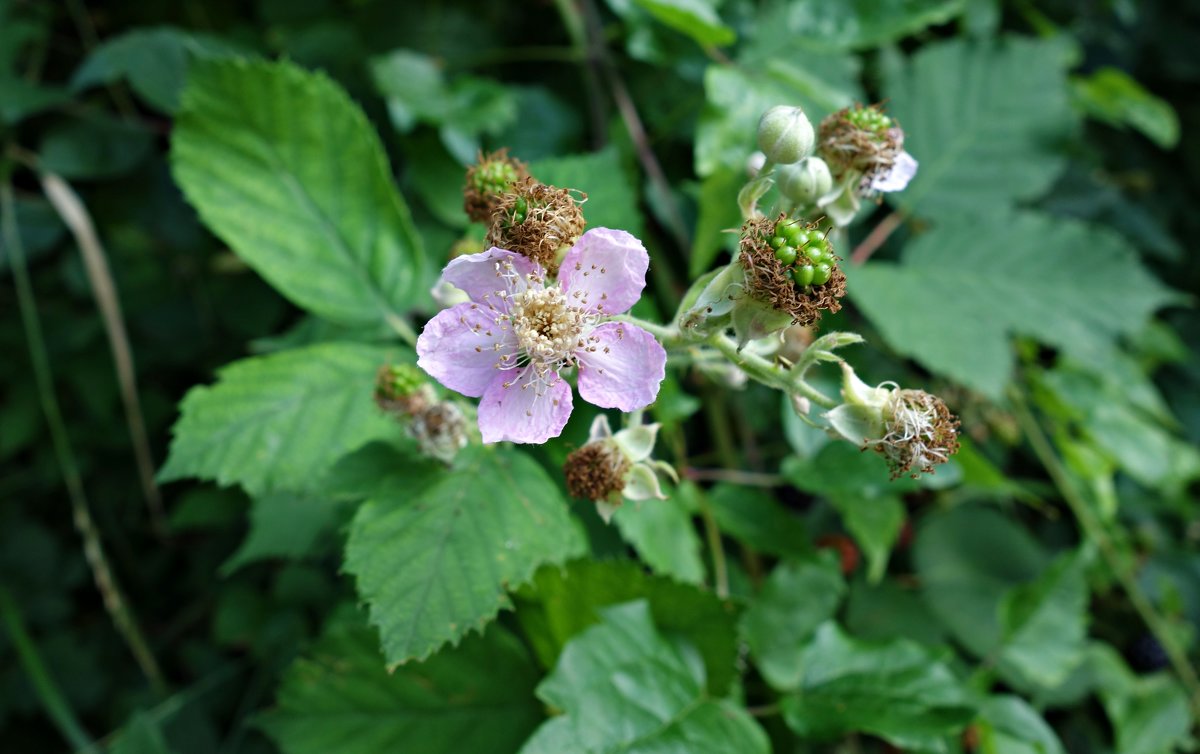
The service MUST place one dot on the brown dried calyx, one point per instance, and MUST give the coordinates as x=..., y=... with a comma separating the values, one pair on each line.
x=861, y=140
x=488, y=180
x=536, y=220
x=767, y=277
x=596, y=471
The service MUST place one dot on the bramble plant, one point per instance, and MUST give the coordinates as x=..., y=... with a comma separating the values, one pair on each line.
x=684, y=377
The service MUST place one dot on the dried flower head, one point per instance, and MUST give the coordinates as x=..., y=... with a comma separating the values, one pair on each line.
x=440, y=429
x=536, y=221
x=596, y=472
x=791, y=266
x=861, y=142
x=920, y=433
x=401, y=389
x=491, y=176
x=913, y=430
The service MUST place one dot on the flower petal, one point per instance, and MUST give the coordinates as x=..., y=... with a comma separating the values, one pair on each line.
x=519, y=408
x=605, y=271
x=461, y=345
x=478, y=276
x=903, y=170
x=621, y=367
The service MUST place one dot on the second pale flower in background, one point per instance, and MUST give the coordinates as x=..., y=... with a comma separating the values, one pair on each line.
x=509, y=344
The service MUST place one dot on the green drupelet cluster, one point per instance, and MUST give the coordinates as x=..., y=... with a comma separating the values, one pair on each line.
x=869, y=119
x=804, y=252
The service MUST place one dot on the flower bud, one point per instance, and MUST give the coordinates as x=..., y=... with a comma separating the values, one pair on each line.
x=537, y=221
x=806, y=181
x=785, y=135
x=488, y=179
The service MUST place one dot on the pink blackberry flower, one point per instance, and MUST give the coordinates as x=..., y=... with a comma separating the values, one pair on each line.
x=510, y=342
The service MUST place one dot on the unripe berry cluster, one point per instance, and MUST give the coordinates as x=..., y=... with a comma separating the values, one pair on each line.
x=806, y=255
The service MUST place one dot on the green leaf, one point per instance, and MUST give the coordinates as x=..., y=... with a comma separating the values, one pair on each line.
x=896, y=690
x=717, y=216
x=1005, y=275
x=434, y=556
x=796, y=598
x=967, y=559
x=1008, y=725
x=562, y=602
x=889, y=610
x=153, y=60
x=695, y=18
x=853, y=25
x=39, y=226
x=1114, y=97
x=611, y=194
x=1045, y=623
x=759, y=520
x=663, y=534
x=95, y=148
x=982, y=118
x=286, y=169
x=340, y=697
x=624, y=687
x=285, y=525
x=20, y=99
x=1150, y=714
x=279, y=422
x=141, y=735
x=859, y=486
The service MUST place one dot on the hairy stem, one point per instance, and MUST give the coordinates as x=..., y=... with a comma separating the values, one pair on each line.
x=1094, y=531
x=875, y=239
x=114, y=601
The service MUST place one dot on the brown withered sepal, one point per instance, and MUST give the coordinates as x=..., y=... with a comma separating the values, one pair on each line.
x=552, y=220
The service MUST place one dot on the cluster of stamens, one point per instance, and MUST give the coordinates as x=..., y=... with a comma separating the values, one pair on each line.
x=596, y=471
x=921, y=433
x=536, y=221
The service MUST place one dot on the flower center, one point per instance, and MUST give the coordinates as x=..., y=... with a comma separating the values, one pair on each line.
x=548, y=328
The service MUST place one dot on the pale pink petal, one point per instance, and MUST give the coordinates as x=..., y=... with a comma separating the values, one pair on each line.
x=621, y=367
x=605, y=271
x=519, y=408
x=484, y=275
x=903, y=171
x=461, y=346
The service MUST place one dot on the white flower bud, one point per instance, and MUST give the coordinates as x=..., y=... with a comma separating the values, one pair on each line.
x=785, y=135
x=806, y=181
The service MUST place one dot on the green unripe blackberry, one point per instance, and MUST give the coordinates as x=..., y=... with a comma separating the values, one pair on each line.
x=786, y=254
x=803, y=275
x=821, y=274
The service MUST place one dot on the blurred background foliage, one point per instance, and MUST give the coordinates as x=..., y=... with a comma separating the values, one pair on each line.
x=1041, y=275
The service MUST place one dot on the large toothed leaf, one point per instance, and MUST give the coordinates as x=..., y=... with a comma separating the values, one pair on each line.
x=853, y=24
x=963, y=289
x=285, y=168
x=435, y=555
x=278, y=422
x=984, y=119
x=625, y=688
x=476, y=698
x=897, y=690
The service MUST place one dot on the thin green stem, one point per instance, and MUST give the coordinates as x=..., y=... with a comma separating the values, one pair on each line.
x=114, y=601
x=401, y=327
x=668, y=334
x=1094, y=530
x=768, y=373
x=48, y=692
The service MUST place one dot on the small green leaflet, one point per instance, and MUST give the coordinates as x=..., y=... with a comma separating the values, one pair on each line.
x=286, y=169
x=625, y=688
x=964, y=288
x=435, y=556
x=279, y=422
x=476, y=698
